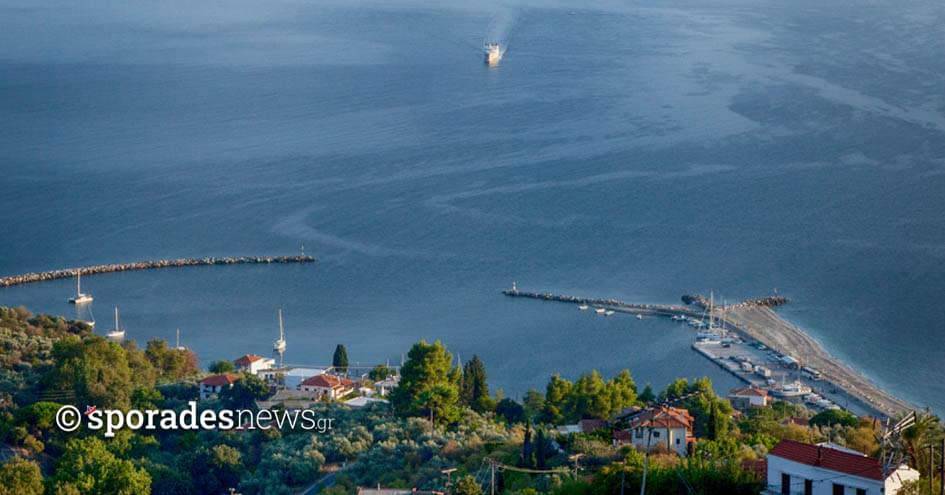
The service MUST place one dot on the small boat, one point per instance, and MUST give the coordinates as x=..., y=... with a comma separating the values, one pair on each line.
x=609, y=312
x=80, y=298
x=793, y=389
x=116, y=333
x=678, y=318
x=583, y=307
x=279, y=345
x=599, y=311
x=639, y=317
x=493, y=53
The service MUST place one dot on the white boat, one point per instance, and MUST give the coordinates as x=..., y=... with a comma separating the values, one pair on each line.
x=793, y=389
x=599, y=311
x=279, y=345
x=493, y=53
x=678, y=318
x=609, y=312
x=116, y=333
x=80, y=298
x=639, y=317
x=583, y=307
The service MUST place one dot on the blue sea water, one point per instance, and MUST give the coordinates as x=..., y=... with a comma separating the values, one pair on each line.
x=638, y=150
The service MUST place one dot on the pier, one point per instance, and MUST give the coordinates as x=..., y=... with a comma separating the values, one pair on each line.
x=754, y=320
x=27, y=278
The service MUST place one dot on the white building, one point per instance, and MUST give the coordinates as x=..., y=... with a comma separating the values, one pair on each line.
x=748, y=397
x=253, y=364
x=212, y=385
x=327, y=386
x=667, y=428
x=387, y=385
x=796, y=468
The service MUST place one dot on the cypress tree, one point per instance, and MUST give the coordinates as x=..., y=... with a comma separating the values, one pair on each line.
x=340, y=359
x=474, y=391
x=540, y=449
x=527, y=446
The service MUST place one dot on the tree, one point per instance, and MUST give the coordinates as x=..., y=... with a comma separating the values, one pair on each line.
x=527, y=452
x=19, y=476
x=95, y=369
x=475, y=391
x=220, y=367
x=340, y=359
x=647, y=396
x=541, y=445
x=534, y=403
x=466, y=485
x=832, y=417
x=380, y=372
x=512, y=411
x=87, y=466
x=245, y=392
x=427, y=383
x=172, y=364
x=556, y=393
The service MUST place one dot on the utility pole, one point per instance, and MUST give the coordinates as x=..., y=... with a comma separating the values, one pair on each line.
x=492, y=475
x=941, y=470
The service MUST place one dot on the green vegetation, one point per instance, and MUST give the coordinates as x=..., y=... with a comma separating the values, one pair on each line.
x=340, y=359
x=440, y=417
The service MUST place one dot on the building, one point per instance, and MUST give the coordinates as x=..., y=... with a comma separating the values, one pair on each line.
x=748, y=397
x=253, y=364
x=591, y=425
x=359, y=402
x=386, y=386
x=327, y=386
x=212, y=385
x=664, y=427
x=395, y=491
x=289, y=378
x=796, y=468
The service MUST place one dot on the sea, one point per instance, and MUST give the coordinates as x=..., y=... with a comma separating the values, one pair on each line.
x=636, y=149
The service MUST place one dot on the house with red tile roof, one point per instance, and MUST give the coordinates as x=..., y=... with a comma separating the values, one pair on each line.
x=747, y=397
x=327, y=386
x=806, y=469
x=664, y=427
x=253, y=364
x=212, y=385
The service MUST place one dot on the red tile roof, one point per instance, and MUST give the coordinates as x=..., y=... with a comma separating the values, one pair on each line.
x=246, y=360
x=663, y=417
x=622, y=436
x=830, y=459
x=327, y=381
x=220, y=380
x=760, y=392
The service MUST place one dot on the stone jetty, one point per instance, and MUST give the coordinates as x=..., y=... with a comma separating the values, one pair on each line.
x=27, y=278
x=615, y=304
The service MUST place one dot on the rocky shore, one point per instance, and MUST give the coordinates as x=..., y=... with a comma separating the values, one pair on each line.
x=27, y=278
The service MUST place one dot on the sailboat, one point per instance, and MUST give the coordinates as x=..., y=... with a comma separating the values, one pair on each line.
x=279, y=345
x=116, y=333
x=179, y=347
x=80, y=298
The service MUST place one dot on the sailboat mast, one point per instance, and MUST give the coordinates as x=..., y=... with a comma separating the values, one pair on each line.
x=78, y=283
x=116, y=319
x=281, y=332
x=178, y=338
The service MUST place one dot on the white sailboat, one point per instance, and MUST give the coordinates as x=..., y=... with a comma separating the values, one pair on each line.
x=178, y=346
x=80, y=298
x=279, y=345
x=116, y=333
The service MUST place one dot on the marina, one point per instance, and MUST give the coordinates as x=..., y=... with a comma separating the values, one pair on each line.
x=753, y=343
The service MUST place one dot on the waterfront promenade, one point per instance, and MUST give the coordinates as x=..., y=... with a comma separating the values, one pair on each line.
x=756, y=321
x=27, y=278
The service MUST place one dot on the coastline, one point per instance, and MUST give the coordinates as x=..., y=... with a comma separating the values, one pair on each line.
x=755, y=320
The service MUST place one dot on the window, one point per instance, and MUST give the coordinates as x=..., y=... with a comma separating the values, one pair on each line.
x=785, y=484
x=639, y=432
x=677, y=441
x=861, y=491
x=837, y=489
x=656, y=434
x=808, y=487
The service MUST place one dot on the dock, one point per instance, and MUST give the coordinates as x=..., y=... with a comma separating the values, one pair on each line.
x=28, y=278
x=756, y=322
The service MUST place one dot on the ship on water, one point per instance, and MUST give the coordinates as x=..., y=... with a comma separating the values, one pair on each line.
x=493, y=53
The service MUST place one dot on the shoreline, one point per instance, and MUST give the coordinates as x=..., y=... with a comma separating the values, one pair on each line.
x=756, y=321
